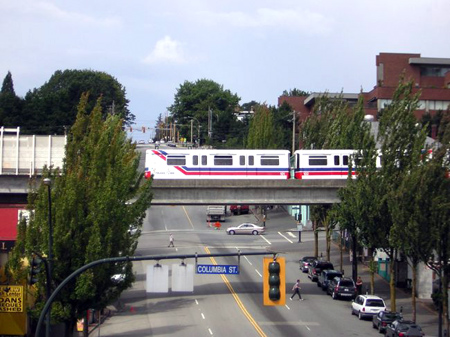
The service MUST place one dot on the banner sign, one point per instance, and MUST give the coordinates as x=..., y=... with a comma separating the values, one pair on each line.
x=11, y=298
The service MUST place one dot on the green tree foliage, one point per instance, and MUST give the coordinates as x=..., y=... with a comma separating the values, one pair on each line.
x=10, y=104
x=295, y=92
x=207, y=102
x=261, y=134
x=95, y=198
x=52, y=108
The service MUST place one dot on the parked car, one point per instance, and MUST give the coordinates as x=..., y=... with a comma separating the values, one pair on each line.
x=239, y=209
x=367, y=305
x=381, y=320
x=401, y=328
x=325, y=276
x=342, y=287
x=305, y=261
x=141, y=141
x=316, y=268
x=246, y=228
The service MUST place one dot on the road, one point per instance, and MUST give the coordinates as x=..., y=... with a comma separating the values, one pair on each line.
x=228, y=305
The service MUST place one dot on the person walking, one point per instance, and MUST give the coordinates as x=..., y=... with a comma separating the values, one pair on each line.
x=171, y=241
x=296, y=289
x=359, y=284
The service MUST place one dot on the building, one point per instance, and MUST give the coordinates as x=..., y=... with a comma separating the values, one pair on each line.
x=430, y=75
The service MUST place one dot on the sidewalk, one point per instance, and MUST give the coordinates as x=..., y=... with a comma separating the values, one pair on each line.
x=426, y=314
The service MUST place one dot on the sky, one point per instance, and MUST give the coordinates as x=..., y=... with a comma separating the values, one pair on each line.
x=255, y=49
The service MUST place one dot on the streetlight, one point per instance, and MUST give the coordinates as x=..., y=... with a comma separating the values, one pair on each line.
x=48, y=183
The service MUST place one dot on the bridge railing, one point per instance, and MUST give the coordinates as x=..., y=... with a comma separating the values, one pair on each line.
x=28, y=154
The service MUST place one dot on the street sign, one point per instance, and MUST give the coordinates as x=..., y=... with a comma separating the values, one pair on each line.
x=217, y=269
x=11, y=299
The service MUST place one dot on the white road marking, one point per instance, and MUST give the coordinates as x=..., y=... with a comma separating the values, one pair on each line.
x=257, y=272
x=245, y=257
x=291, y=234
x=210, y=332
x=285, y=237
x=203, y=316
x=287, y=307
x=266, y=240
x=196, y=302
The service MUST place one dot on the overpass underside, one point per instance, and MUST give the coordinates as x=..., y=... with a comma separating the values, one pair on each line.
x=251, y=192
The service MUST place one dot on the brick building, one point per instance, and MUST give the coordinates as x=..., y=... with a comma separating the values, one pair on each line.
x=430, y=75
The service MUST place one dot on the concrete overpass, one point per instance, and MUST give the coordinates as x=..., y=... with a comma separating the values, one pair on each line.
x=210, y=192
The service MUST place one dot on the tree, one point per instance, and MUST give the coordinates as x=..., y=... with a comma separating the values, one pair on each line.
x=52, y=108
x=261, y=134
x=210, y=104
x=295, y=92
x=96, y=197
x=10, y=104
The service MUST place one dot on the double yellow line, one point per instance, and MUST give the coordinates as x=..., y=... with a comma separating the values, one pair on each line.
x=238, y=300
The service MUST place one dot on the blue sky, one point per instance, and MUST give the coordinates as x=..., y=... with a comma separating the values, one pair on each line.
x=255, y=49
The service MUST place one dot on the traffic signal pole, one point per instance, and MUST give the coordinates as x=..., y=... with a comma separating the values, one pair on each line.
x=79, y=271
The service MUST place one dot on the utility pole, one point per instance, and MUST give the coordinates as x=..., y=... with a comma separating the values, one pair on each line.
x=293, y=133
x=192, y=128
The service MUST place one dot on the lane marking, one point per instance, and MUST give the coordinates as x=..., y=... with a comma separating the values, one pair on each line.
x=291, y=234
x=210, y=332
x=245, y=257
x=287, y=307
x=257, y=272
x=203, y=316
x=285, y=237
x=238, y=300
x=266, y=240
x=196, y=302
x=187, y=215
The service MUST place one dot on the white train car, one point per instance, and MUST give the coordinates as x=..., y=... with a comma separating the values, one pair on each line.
x=322, y=164
x=217, y=164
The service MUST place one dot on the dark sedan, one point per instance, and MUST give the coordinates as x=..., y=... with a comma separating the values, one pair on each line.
x=383, y=319
x=305, y=261
x=402, y=328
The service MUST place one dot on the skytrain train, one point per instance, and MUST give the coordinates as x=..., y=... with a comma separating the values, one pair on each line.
x=246, y=164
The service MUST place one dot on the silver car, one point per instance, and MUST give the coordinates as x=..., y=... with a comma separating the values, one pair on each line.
x=246, y=228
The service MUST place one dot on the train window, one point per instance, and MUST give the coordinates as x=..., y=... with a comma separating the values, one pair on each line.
x=345, y=160
x=176, y=160
x=251, y=160
x=242, y=160
x=195, y=160
x=204, y=160
x=223, y=160
x=317, y=160
x=270, y=160
x=336, y=160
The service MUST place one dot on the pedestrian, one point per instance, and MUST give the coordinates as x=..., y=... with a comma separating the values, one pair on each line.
x=171, y=240
x=359, y=284
x=296, y=289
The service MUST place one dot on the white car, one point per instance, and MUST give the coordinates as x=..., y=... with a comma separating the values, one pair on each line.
x=367, y=306
x=246, y=228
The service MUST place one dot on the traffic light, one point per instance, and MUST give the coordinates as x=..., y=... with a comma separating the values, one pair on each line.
x=274, y=286
x=35, y=269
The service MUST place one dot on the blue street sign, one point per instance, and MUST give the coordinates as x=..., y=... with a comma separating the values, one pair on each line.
x=217, y=269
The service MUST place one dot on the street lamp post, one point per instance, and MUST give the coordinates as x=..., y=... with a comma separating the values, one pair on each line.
x=48, y=183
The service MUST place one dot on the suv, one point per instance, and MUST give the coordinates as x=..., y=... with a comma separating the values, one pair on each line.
x=342, y=287
x=383, y=319
x=315, y=268
x=403, y=328
x=325, y=276
x=367, y=306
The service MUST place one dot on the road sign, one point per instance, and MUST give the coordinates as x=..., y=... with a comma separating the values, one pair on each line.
x=217, y=269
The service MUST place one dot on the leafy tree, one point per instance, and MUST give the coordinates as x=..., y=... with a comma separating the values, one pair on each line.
x=295, y=92
x=261, y=134
x=249, y=106
x=402, y=141
x=283, y=119
x=91, y=215
x=210, y=104
x=10, y=104
x=52, y=108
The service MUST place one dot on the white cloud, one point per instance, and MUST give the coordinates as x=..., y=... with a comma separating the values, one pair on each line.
x=294, y=19
x=166, y=50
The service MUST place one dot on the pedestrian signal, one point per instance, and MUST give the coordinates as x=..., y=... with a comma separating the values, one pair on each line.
x=274, y=282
